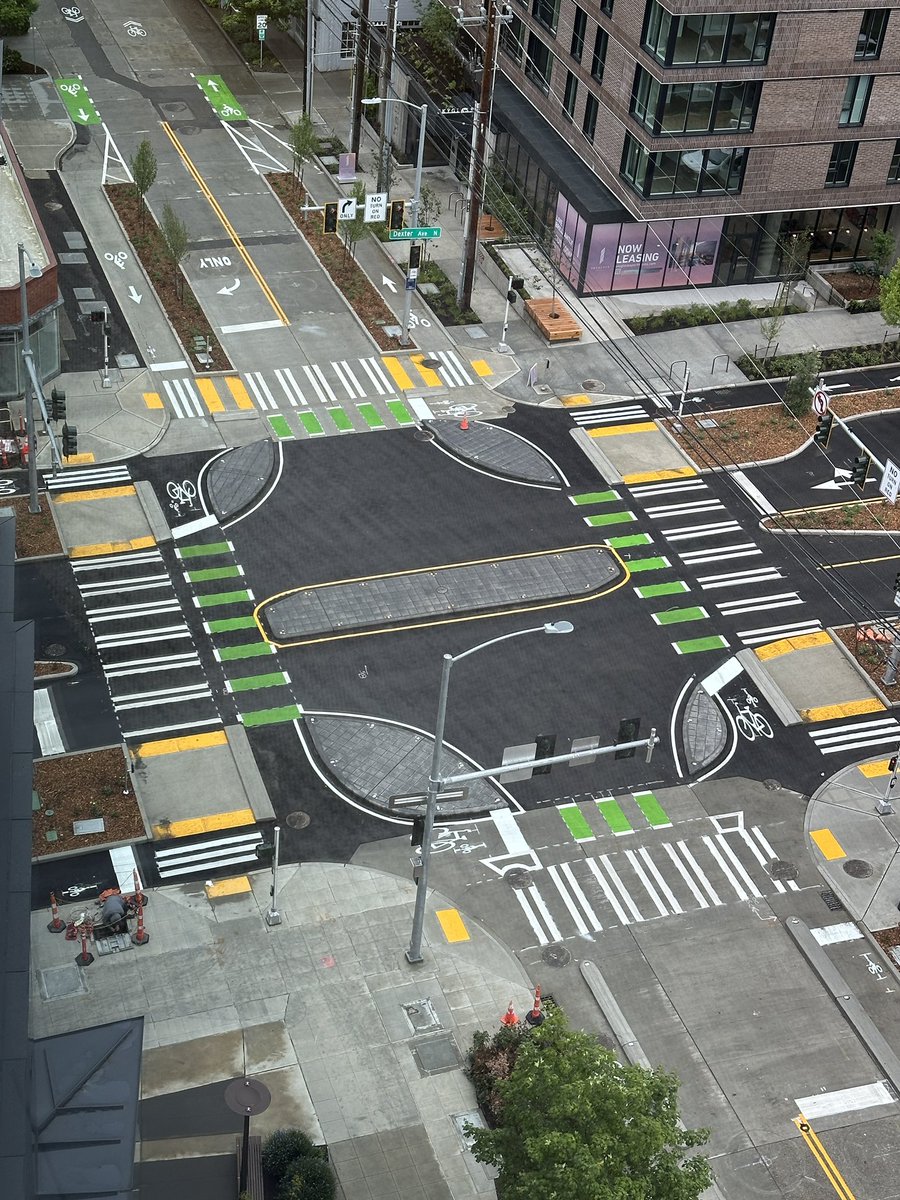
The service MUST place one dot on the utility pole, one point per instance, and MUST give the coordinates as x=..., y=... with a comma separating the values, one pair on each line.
x=359, y=74
x=309, y=58
x=384, y=89
x=479, y=150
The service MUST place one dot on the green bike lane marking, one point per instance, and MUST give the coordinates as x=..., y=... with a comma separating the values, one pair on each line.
x=647, y=564
x=675, y=616
x=661, y=589
x=79, y=105
x=271, y=716
x=616, y=518
x=205, y=573
x=370, y=415
x=341, y=420
x=280, y=427
x=229, y=624
x=576, y=822
x=629, y=539
x=252, y=683
x=594, y=497
x=311, y=423
x=214, y=598
x=652, y=810
x=400, y=412
x=208, y=550
x=245, y=650
x=220, y=97
x=698, y=645
x=614, y=817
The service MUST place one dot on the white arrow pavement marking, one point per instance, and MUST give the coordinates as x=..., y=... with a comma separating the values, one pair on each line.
x=832, y=485
x=84, y=116
x=229, y=291
x=385, y=282
x=134, y=294
x=212, y=85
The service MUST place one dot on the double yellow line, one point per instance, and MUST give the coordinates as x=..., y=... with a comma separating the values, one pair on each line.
x=820, y=1154
x=228, y=227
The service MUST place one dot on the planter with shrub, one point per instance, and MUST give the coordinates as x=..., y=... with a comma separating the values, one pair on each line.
x=297, y=1168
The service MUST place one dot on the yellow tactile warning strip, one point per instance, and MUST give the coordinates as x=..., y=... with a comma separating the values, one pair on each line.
x=397, y=373
x=852, y=708
x=153, y=400
x=874, y=769
x=823, y=1158
x=577, y=401
x=805, y=641
x=654, y=476
x=195, y=825
x=238, y=886
x=207, y=390
x=197, y=741
x=480, y=367
x=453, y=925
x=80, y=460
x=429, y=378
x=141, y=543
x=240, y=393
x=829, y=847
x=95, y=494
x=617, y=430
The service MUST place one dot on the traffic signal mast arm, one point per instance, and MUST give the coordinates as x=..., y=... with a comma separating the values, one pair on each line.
x=573, y=756
x=852, y=436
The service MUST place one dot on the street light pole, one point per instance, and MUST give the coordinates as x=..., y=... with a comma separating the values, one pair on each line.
x=34, y=505
x=436, y=782
x=414, y=207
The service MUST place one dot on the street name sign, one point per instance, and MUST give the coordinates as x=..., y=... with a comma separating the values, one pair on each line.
x=414, y=235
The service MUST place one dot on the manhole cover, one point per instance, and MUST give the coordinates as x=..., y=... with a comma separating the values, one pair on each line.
x=432, y=363
x=53, y=206
x=297, y=820
x=57, y=983
x=518, y=879
x=55, y=650
x=556, y=956
x=779, y=869
x=421, y=1016
x=437, y=1054
x=831, y=901
x=772, y=785
x=858, y=868
x=591, y=385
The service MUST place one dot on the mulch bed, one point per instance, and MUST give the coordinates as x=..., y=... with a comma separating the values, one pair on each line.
x=852, y=286
x=35, y=532
x=345, y=272
x=184, y=313
x=51, y=668
x=748, y=435
x=886, y=938
x=80, y=787
x=877, y=516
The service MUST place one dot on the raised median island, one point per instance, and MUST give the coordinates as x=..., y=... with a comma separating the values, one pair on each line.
x=439, y=595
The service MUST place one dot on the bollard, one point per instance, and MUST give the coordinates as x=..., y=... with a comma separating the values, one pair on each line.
x=536, y=1016
x=85, y=958
x=509, y=1017
x=140, y=937
x=57, y=925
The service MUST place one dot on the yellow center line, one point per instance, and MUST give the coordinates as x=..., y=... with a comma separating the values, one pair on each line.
x=822, y=1157
x=229, y=228
x=858, y=562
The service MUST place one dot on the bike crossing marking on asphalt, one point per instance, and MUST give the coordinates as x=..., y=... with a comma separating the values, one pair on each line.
x=652, y=590
x=576, y=822
x=715, y=641
x=657, y=563
x=594, y=497
x=628, y=540
x=851, y=737
x=656, y=815
x=280, y=427
x=678, y=616
x=611, y=812
x=615, y=518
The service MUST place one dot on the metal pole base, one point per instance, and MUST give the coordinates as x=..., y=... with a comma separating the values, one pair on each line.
x=884, y=808
x=414, y=958
x=84, y=960
x=504, y=348
x=140, y=937
x=273, y=917
x=57, y=926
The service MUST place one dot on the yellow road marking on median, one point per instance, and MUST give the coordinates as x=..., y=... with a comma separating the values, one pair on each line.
x=228, y=227
x=829, y=847
x=805, y=641
x=141, y=543
x=95, y=494
x=240, y=393
x=874, y=769
x=480, y=367
x=430, y=378
x=195, y=825
x=858, y=562
x=822, y=1157
x=616, y=430
x=655, y=476
x=238, y=886
x=851, y=708
x=153, y=400
x=397, y=373
x=577, y=401
x=197, y=741
x=207, y=390
x=80, y=460
x=452, y=924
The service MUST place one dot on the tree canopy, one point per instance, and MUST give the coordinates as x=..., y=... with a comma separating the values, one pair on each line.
x=890, y=296
x=577, y=1125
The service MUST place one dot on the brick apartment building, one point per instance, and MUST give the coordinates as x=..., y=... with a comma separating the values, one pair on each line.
x=685, y=142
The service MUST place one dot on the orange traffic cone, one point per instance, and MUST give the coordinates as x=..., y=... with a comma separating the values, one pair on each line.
x=536, y=1016
x=464, y=423
x=509, y=1017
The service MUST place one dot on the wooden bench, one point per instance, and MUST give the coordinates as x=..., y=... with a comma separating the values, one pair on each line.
x=255, y=1186
x=553, y=320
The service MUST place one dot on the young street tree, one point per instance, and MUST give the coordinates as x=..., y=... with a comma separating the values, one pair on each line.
x=890, y=296
x=353, y=230
x=175, y=234
x=797, y=394
x=575, y=1122
x=304, y=144
x=143, y=168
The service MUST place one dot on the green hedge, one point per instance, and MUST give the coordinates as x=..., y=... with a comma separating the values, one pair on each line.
x=705, y=314
x=444, y=302
x=832, y=360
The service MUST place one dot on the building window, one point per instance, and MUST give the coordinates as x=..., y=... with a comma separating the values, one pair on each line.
x=598, y=58
x=856, y=98
x=579, y=29
x=589, y=124
x=606, y=7
x=512, y=38
x=689, y=41
x=840, y=168
x=570, y=95
x=348, y=39
x=871, y=33
x=689, y=108
x=894, y=172
x=682, y=172
x=539, y=62
x=546, y=13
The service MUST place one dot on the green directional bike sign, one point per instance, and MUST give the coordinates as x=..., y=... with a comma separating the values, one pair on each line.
x=79, y=105
x=220, y=97
x=414, y=235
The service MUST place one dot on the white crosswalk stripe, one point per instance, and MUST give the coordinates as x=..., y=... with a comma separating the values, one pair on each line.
x=348, y=380
x=211, y=855
x=375, y=371
x=609, y=414
x=729, y=579
x=320, y=384
x=734, y=608
x=454, y=373
x=685, y=509
x=640, y=490
x=260, y=390
x=185, y=398
x=740, y=550
x=775, y=633
x=290, y=386
x=71, y=478
x=687, y=533
x=854, y=736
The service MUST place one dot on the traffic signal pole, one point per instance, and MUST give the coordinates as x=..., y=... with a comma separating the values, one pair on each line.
x=849, y=432
x=479, y=150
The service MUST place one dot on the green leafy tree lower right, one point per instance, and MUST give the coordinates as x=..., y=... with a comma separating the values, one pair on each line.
x=890, y=296
x=576, y=1123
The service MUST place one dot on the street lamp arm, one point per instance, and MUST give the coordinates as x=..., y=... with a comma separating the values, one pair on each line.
x=493, y=642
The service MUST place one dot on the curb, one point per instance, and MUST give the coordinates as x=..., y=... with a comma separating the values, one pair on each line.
x=889, y=704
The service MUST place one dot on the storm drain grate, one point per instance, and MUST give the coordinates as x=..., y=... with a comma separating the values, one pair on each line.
x=831, y=901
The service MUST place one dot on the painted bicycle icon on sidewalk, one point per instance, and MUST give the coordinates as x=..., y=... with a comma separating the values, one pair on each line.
x=181, y=496
x=416, y=320
x=750, y=723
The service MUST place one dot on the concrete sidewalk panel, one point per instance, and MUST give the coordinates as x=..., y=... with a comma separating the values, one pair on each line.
x=642, y=455
x=817, y=679
x=87, y=522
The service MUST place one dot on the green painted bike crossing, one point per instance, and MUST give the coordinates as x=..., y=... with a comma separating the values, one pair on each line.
x=338, y=418
x=614, y=816
x=75, y=97
x=220, y=97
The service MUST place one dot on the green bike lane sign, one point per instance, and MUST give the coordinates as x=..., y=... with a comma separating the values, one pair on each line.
x=79, y=105
x=220, y=97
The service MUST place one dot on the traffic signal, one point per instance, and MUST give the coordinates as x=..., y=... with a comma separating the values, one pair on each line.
x=860, y=471
x=823, y=429
x=265, y=851
x=69, y=440
x=398, y=207
x=415, y=256
x=329, y=221
x=897, y=582
x=892, y=765
x=629, y=728
x=57, y=405
x=545, y=747
x=417, y=836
